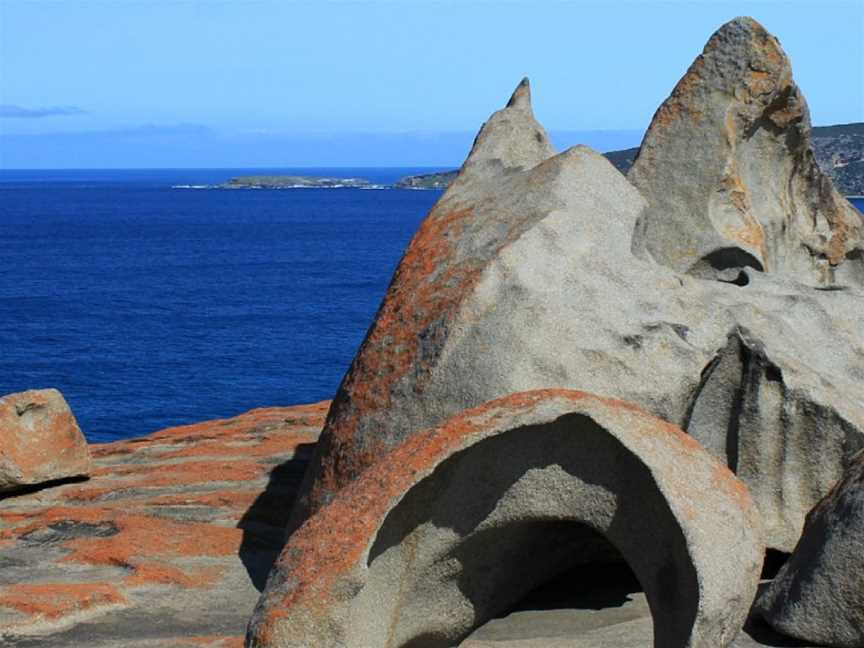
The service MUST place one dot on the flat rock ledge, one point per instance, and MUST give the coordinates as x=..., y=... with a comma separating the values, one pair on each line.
x=462, y=521
x=168, y=543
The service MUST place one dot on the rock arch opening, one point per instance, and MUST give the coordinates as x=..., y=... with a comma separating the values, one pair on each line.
x=521, y=512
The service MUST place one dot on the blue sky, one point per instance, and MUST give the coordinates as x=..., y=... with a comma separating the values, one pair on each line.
x=280, y=83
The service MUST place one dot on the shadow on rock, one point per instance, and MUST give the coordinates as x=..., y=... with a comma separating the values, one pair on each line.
x=35, y=488
x=265, y=522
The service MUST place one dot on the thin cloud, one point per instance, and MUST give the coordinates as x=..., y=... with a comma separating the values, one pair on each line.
x=11, y=111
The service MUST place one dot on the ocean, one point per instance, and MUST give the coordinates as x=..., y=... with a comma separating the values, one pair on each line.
x=149, y=305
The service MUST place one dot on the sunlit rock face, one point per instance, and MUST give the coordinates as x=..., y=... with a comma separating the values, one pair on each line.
x=729, y=173
x=540, y=270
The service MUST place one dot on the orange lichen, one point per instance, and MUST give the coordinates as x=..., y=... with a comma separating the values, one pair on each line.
x=230, y=499
x=140, y=537
x=157, y=474
x=330, y=543
x=680, y=102
x=56, y=600
x=266, y=446
x=154, y=573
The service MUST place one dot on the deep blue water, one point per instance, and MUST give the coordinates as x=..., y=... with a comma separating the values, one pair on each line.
x=149, y=306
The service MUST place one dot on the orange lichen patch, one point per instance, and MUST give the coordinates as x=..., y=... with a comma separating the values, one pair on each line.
x=680, y=102
x=157, y=573
x=840, y=232
x=153, y=475
x=22, y=523
x=244, y=428
x=140, y=538
x=56, y=600
x=88, y=492
x=267, y=445
x=297, y=415
x=427, y=287
x=229, y=499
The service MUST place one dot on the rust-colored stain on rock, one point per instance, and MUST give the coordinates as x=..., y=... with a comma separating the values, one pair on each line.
x=130, y=517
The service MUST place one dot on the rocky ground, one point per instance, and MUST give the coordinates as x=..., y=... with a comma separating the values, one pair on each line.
x=167, y=544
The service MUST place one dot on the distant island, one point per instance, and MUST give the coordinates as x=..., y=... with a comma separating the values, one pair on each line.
x=439, y=180
x=292, y=182
x=839, y=152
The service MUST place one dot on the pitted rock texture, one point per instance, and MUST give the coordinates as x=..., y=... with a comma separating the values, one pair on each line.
x=530, y=277
x=168, y=544
x=40, y=440
x=730, y=176
x=460, y=521
x=819, y=593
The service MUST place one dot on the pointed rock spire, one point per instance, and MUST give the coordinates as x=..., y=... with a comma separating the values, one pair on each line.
x=510, y=140
x=729, y=173
x=521, y=97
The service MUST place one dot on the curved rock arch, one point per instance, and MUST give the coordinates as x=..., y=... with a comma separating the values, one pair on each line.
x=461, y=521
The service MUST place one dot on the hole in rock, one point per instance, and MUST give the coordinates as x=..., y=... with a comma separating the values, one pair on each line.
x=774, y=561
x=492, y=544
x=579, y=601
x=726, y=265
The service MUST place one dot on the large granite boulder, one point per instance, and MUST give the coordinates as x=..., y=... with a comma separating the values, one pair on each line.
x=531, y=272
x=39, y=440
x=818, y=595
x=461, y=521
x=730, y=175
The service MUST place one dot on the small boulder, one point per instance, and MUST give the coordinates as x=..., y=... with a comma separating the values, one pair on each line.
x=39, y=440
x=460, y=522
x=818, y=595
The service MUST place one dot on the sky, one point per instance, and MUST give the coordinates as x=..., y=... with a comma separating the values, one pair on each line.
x=129, y=83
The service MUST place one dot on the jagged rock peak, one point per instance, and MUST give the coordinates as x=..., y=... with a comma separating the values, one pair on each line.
x=730, y=176
x=510, y=140
x=521, y=97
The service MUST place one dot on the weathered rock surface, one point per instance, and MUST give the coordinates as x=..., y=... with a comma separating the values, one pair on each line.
x=39, y=440
x=461, y=521
x=524, y=276
x=730, y=176
x=167, y=545
x=819, y=594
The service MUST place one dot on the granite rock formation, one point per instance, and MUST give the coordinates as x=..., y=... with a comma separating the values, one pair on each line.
x=40, y=441
x=818, y=595
x=535, y=271
x=166, y=545
x=730, y=176
x=450, y=528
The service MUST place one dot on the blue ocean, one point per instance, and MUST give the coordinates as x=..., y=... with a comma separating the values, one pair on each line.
x=150, y=305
